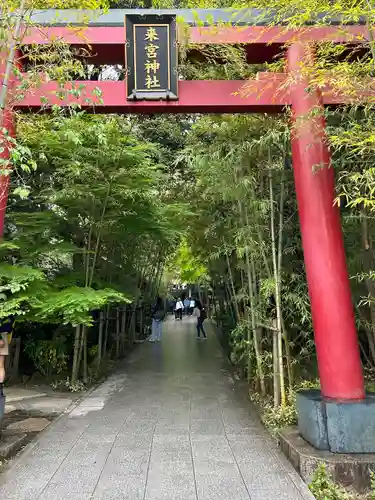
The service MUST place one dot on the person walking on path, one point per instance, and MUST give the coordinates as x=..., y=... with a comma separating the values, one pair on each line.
x=200, y=314
x=191, y=307
x=186, y=305
x=179, y=309
x=158, y=315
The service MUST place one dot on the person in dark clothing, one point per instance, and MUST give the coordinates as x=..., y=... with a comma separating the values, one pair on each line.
x=158, y=315
x=200, y=314
x=186, y=306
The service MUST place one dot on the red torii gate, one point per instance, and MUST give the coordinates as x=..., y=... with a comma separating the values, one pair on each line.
x=328, y=282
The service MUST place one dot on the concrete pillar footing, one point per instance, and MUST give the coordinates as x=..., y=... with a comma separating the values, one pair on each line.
x=336, y=426
x=350, y=470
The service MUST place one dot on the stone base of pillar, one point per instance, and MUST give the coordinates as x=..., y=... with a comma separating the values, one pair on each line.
x=336, y=426
x=350, y=470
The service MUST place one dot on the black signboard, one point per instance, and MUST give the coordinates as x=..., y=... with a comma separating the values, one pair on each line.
x=151, y=57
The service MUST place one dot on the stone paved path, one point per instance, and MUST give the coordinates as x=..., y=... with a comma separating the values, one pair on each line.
x=170, y=425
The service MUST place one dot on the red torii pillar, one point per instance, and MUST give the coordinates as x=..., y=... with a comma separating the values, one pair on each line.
x=336, y=340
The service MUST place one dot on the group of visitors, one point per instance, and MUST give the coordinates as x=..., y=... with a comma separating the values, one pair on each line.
x=158, y=314
x=185, y=306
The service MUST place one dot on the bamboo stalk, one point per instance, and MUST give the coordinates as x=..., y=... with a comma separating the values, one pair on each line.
x=87, y=257
x=123, y=330
x=131, y=336
x=105, y=344
x=96, y=250
x=279, y=351
x=117, y=332
x=231, y=282
x=370, y=32
x=254, y=327
x=84, y=346
x=368, y=265
x=141, y=322
x=10, y=60
x=77, y=339
x=229, y=302
x=279, y=266
x=260, y=377
x=100, y=338
x=276, y=374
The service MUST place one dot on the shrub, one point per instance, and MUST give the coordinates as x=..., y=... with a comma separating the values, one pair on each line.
x=66, y=384
x=276, y=419
x=49, y=356
x=323, y=488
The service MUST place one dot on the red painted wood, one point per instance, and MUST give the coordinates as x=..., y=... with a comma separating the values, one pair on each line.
x=266, y=93
x=115, y=35
x=99, y=35
x=276, y=34
x=194, y=97
x=326, y=270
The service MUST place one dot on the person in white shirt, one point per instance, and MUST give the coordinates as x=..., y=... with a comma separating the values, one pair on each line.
x=179, y=309
x=192, y=305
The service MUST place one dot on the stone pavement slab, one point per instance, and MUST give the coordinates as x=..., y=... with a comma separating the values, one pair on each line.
x=32, y=424
x=169, y=425
x=42, y=401
x=21, y=393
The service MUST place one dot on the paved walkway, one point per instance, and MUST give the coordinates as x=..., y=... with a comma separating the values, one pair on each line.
x=170, y=425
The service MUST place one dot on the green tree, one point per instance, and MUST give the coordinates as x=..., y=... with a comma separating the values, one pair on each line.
x=96, y=224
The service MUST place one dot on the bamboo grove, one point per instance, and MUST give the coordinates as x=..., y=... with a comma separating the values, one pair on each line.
x=105, y=210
